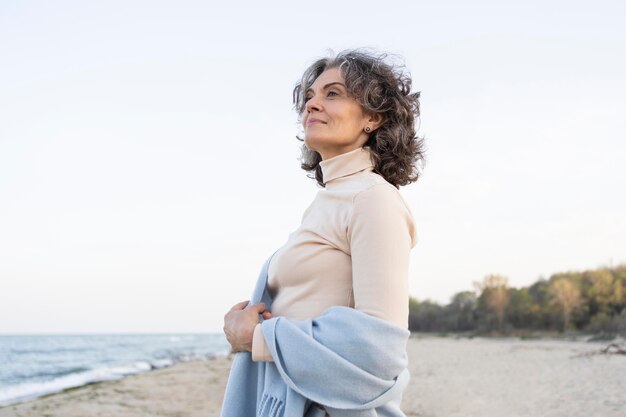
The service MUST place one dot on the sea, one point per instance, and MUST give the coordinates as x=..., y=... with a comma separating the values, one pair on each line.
x=36, y=365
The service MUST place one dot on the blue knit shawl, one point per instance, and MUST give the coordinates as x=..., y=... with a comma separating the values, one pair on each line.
x=352, y=363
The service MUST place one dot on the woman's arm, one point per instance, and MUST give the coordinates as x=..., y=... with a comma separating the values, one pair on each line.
x=381, y=233
x=260, y=351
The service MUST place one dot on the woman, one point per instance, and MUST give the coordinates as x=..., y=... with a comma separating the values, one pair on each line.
x=344, y=271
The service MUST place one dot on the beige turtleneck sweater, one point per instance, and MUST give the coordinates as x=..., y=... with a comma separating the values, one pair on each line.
x=352, y=249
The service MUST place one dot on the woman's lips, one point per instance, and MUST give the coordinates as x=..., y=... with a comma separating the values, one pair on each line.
x=311, y=121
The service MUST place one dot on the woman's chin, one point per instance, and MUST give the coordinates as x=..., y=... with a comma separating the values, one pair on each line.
x=313, y=143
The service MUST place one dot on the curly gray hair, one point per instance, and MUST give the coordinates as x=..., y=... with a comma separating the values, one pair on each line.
x=379, y=87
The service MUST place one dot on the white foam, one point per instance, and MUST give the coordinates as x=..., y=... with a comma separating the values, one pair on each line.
x=162, y=363
x=30, y=390
x=135, y=368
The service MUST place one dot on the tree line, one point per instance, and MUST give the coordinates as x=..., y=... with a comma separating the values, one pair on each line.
x=591, y=300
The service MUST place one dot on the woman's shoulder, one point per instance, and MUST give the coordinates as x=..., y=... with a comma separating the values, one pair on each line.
x=374, y=186
x=381, y=202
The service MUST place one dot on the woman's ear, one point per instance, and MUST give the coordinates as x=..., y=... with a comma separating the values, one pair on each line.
x=375, y=120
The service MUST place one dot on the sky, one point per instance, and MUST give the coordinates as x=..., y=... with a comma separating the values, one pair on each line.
x=149, y=165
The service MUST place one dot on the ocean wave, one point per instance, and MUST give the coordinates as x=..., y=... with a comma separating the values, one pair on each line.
x=82, y=376
x=30, y=390
x=53, y=374
x=41, y=366
x=49, y=351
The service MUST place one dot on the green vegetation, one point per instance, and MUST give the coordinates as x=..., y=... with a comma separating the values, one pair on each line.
x=591, y=301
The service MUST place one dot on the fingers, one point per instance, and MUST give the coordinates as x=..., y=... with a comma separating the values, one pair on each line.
x=259, y=308
x=239, y=306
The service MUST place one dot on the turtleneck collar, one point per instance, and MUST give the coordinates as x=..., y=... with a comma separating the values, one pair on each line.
x=346, y=164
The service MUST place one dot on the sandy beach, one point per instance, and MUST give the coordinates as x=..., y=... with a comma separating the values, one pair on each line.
x=450, y=377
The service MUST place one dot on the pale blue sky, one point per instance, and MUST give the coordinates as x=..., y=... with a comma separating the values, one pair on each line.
x=148, y=160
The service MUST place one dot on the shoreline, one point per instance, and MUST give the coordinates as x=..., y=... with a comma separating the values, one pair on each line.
x=574, y=337
x=452, y=376
x=40, y=365
x=144, y=393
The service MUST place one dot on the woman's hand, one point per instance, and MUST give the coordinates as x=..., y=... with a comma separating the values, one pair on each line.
x=239, y=324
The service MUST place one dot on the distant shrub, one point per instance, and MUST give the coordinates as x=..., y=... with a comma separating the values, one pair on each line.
x=601, y=323
x=619, y=322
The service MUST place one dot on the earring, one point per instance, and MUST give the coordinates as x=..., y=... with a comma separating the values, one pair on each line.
x=367, y=129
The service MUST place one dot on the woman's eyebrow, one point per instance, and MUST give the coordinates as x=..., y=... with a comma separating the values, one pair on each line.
x=326, y=86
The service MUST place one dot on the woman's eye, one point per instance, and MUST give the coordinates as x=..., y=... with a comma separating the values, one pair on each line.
x=307, y=98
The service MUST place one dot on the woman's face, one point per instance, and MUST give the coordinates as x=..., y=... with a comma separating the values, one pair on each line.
x=333, y=122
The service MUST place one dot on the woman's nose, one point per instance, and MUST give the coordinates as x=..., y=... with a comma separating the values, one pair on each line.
x=312, y=104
